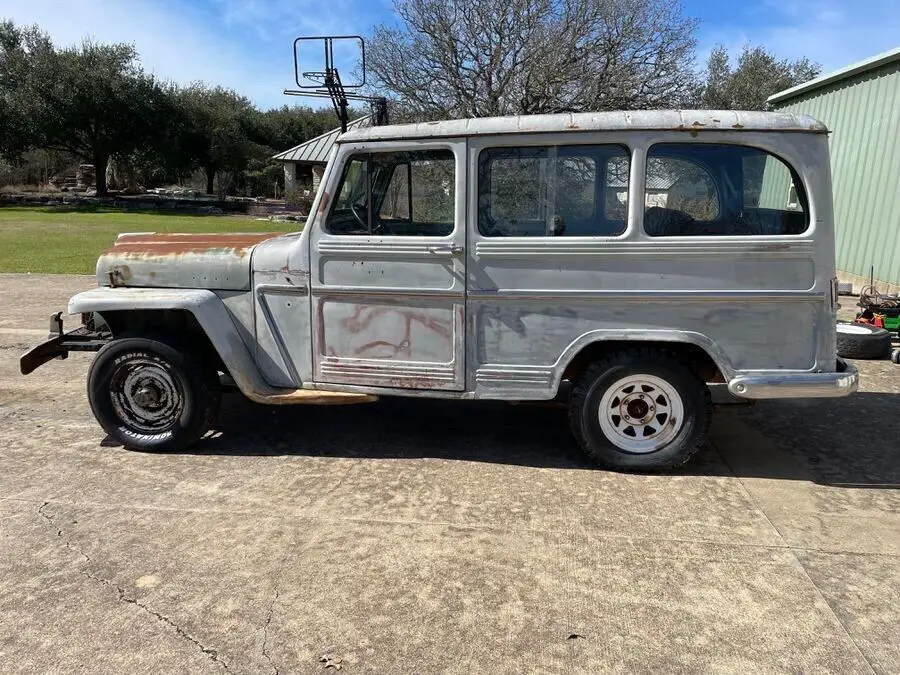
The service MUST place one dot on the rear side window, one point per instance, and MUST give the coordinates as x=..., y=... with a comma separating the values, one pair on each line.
x=697, y=189
x=553, y=191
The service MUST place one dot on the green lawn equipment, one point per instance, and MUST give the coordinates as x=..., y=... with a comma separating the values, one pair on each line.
x=877, y=309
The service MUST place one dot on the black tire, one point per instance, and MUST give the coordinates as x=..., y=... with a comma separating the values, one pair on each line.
x=676, y=445
x=181, y=391
x=895, y=356
x=861, y=341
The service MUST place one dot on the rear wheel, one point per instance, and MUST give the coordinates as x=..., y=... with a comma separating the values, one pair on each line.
x=152, y=394
x=640, y=409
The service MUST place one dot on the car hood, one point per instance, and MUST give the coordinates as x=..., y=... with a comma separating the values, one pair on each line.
x=213, y=261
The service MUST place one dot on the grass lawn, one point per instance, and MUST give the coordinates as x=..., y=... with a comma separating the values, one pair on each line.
x=56, y=240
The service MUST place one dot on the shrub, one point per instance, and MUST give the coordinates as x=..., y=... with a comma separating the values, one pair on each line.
x=298, y=199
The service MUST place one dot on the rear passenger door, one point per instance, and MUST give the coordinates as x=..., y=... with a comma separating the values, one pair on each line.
x=546, y=214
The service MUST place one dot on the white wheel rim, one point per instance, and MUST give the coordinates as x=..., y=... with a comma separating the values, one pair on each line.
x=641, y=413
x=855, y=330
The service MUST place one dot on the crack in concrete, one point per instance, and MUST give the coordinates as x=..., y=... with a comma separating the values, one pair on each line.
x=265, y=643
x=211, y=653
x=122, y=597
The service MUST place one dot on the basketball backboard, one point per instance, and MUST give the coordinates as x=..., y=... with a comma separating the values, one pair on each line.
x=319, y=61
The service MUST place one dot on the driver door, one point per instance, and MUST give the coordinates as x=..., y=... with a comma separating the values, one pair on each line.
x=388, y=269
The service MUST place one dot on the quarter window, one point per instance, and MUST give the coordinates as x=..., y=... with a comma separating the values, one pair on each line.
x=396, y=194
x=553, y=191
x=695, y=189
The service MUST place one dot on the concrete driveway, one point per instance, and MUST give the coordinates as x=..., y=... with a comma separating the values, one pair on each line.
x=426, y=537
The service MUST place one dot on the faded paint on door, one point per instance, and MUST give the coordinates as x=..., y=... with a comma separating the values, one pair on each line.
x=388, y=292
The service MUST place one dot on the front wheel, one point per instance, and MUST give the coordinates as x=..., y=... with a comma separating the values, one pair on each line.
x=640, y=409
x=150, y=395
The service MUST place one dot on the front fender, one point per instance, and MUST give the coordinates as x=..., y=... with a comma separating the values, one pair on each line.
x=205, y=306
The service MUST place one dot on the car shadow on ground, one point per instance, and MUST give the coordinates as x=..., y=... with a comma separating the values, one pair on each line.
x=853, y=442
x=841, y=442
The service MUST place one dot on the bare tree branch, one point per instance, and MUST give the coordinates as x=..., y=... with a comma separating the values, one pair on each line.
x=457, y=58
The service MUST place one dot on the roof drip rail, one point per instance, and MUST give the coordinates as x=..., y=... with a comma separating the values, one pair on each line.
x=327, y=83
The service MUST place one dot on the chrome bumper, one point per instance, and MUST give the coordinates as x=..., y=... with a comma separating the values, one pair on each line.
x=842, y=382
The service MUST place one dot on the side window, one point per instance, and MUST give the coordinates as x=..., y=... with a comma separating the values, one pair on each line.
x=396, y=194
x=553, y=191
x=695, y=189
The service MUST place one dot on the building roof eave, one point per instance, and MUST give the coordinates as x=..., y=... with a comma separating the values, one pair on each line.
x=316, y=150
x=836, y=76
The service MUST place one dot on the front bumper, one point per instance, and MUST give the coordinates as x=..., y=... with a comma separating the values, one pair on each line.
x=59, y=344
x=842, y=382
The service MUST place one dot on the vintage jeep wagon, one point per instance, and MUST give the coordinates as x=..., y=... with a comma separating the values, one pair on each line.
x=622, y=263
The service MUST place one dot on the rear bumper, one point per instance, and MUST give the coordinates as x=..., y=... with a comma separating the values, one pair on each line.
x=842, y=382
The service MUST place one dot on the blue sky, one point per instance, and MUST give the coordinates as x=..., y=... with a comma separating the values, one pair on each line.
x=246, y=44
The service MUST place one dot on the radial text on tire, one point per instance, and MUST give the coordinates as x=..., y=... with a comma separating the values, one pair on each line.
x=152, y=394
x=640, y=409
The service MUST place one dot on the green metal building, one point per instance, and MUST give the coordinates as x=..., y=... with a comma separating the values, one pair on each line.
x=860, y=104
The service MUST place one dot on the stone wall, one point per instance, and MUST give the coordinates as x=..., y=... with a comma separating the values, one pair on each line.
x=318, y=171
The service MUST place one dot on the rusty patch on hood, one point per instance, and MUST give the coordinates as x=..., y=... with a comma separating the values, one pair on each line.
x=158, y=244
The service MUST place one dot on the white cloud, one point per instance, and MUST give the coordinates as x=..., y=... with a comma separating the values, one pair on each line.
x=283, y=20
x=834, y=33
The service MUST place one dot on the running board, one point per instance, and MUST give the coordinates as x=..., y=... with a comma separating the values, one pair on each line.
x=309, y=397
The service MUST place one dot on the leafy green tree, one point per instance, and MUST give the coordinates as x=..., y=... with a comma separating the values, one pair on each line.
x=216, y=129
x=287, y=126
x=262, y=175
x=92, y=100
x=757, y=75
x=276, y=130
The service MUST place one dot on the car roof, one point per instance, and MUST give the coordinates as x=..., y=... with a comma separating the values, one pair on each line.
x=625, y=120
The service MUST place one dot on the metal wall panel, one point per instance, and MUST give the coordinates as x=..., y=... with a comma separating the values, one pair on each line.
x=863, y=113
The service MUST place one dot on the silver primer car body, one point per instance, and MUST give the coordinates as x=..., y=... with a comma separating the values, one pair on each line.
x=500, y=258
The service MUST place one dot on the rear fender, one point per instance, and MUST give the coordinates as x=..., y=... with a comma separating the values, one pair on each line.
x=639, y=337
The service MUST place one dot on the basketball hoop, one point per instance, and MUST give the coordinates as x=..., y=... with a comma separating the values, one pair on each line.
x=327, y=83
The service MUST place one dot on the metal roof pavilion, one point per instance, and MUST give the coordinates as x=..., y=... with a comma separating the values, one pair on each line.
x=316, y=150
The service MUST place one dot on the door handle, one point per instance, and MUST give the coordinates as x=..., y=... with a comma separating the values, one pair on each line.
x=446, y=250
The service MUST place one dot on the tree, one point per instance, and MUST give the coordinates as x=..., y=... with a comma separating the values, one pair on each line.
x=216, y=130
x=283, y=128
x=19, y=49
x=457, y=58
x=274, y=131
x=758, y=75
x=93, y=100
